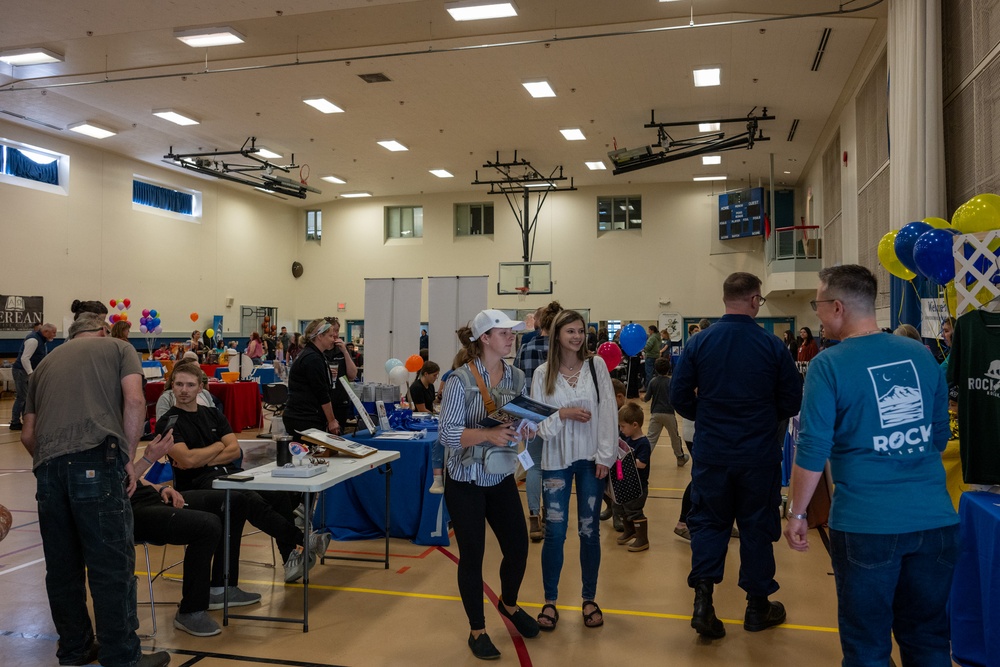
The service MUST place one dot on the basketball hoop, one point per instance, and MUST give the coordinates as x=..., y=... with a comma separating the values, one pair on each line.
x=522, y=292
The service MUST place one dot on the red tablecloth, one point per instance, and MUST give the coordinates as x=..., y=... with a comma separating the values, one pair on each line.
x=240, y=402
x=211, y=368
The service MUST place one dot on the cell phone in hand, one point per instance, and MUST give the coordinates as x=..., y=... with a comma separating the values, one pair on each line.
x=170, y=423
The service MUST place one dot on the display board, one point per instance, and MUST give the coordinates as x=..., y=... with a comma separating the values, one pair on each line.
x=741, y=214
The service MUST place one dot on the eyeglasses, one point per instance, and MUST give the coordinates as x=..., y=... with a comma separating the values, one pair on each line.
x=760, y=300
x=815, y=301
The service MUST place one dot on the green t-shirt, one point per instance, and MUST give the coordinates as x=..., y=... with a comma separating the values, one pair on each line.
x=974, y=365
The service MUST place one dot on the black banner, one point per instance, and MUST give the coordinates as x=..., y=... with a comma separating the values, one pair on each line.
x=20, y=313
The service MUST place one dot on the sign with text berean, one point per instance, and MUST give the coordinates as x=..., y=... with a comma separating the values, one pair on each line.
x=20, y=313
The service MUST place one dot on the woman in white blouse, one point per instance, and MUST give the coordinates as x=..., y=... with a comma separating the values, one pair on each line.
x=580, y=441
x=475, y=496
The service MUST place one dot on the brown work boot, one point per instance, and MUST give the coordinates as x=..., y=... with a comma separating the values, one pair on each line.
x=629, y=532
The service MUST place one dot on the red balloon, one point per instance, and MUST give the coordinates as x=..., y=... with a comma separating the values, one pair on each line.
x=414, y=363
x=113, y=303
x=127, y=302
x=611, y=353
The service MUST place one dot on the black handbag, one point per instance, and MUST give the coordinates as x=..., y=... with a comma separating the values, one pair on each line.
x=624, y=484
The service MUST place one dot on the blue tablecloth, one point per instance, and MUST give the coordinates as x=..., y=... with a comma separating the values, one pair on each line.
x=975, y=592
x=355, y=510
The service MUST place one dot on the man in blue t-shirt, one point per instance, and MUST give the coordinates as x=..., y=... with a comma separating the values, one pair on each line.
x=876, y=406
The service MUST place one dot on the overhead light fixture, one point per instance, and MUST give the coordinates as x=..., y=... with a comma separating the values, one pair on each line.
x=595, y=166
x=442, y=173
x=710, y=178
x=29, y=56
x=709, y=127
x=218, y=36
x=573, y=134
x=392, y=145
x=539, y=88
x=542, y=184
x=707, y=77
x=323, y=104
x=787, y=172
x=354, y=195
x=265, y=153
x=92, y=130
x=711, y=159
x=477, y=10
x=333, y=179
x=175, y=117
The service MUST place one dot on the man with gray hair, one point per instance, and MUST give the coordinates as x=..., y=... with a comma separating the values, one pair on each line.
x=32, y=352
x=82, y=421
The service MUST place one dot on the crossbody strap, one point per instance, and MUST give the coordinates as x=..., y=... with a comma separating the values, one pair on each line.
x=593, y=376
x=488, y=401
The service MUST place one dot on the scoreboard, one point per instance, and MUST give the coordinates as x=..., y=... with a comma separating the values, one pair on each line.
x=741, y=214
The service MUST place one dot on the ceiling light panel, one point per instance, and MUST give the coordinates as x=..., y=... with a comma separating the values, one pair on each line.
x=711, y=76
x=322, y=104
x=30, y=56
x=175, y=117
x=709, y=127
x=266, y=154
x=539, y=89
x=355, y=195
x=478, y=10
x=710, y=178
x=442, y=173
x=203, y=37
x=711, y=159
x=392, y=145
x=595, y=166
x=333, y=179
x=91, y=130
x=573, y=134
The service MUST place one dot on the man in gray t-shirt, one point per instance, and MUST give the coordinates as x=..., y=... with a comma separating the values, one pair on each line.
x=82, y=421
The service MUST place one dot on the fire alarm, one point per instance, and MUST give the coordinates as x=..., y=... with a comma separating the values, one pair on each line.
x=845, y=158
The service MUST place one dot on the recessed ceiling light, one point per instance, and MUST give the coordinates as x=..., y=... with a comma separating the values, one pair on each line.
x=709, y=127
x=353, y=195
x=711, y=159
x=594, y=166
x=707, y=77
x=175, y=117
x=539, y=88
x=333, y=179
x=710, y=178
x=573, y=134
x=218, y=36
x=323, y=104
x=30, y=56
x=442, y=173
x=265, y=153
x=392, y=145
x=92, y=130
x=476, y=10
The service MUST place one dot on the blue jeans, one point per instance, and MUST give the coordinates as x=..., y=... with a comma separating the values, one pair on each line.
x=437, y=455
x=894, y=585
x=85, y=520
x=650, y=370
x=557, y=486
x=21, y=387
x=533, y=476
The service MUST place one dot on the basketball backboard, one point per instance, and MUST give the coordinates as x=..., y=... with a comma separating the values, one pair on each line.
x=513, y=277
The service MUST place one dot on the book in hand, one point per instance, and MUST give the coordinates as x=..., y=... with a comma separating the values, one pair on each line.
x=518, y=409
x=336, y=444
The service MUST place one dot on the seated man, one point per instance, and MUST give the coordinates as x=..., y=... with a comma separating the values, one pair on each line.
x=161, y=353
x=205, y=448
x=163, y=516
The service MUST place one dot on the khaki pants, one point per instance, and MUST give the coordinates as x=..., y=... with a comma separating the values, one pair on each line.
x=657, y=421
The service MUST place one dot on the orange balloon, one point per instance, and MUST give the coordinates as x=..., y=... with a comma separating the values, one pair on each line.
x=414, y=363
x=194, y=317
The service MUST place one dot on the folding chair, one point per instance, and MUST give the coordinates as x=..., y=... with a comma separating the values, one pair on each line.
x=274, y=398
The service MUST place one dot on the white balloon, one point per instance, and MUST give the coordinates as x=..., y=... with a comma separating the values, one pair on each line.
x=399, y=375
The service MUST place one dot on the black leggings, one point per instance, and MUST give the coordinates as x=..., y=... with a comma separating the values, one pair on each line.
x=471, y=508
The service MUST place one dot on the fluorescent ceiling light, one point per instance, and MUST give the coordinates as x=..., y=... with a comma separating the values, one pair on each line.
x=710, y=178
x=352, y=195
x=265, y=153
x=543, y=184
x=442, y=173
x=175, y=117
x=333, y=179
x=787, y=172
x=92, y=130
x=30, y=56
x=392, y=145
x=323, y=104
x=711, y=159
x=218, y=36
x=595, y=166
x=539, y=89
x=573, y=134
x=476, y=10
x=707, y=77
x=709, y=127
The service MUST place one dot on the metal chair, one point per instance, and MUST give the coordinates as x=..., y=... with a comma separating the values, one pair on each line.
x=150, y=578
x=274, y=398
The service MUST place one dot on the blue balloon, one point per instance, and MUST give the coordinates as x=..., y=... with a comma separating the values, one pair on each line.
x=633, y=339
x=392, y=363
x=933, y=255
x=156, y=322
x=906, y=239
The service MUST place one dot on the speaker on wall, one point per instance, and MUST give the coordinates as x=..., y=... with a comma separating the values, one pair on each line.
x=297, y=269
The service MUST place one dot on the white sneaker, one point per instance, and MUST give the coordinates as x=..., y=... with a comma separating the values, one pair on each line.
x=318, y=543
x=295, y=565
x=437, y=487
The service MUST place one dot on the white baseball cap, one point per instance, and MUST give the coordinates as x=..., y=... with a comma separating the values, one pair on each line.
x=493, y=319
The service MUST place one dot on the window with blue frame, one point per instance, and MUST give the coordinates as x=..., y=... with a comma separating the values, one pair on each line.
x=165, y=199
x=30, y=165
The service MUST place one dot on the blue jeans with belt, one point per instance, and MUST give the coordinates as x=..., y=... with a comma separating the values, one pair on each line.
x=894, y=585
x=557, y=486
x=85, y=520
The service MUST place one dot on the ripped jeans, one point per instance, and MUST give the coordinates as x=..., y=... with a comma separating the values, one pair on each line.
x=556, y=490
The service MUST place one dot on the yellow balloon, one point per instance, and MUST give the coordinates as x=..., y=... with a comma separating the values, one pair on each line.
x=938, y=223
x=210, y=333
x=979, y=214
x=887, y=257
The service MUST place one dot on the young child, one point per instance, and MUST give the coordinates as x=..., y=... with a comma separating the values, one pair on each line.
x=630, y=426
x=613, y=510
x=661, y=413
